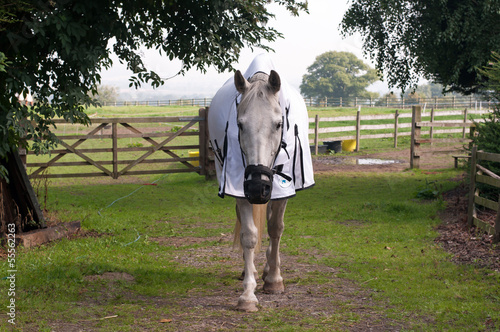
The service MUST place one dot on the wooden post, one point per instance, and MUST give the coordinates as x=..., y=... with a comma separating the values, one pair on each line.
x=472, y=186
x=207, y=159
x=396, y=125
x=416, y=117
x=202, y=140
x=496, y=238
x=340, y=104
x=316, y=134
x=431, y=130
x=358, y=128
x=114, y=134
x=465, y=121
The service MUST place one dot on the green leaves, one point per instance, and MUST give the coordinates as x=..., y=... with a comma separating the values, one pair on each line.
x=56, y=50
x=444, y=41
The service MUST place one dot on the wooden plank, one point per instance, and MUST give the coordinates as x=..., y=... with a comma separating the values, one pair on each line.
x=141, y=135
x=488, y=172
x=495, y=157
x=377, y=127
x=488, y=180
x=70, y=175
x=443, y=124
x=334, y=129
x=153, y=119
x=338, y=118
x=486, y=203
x=483, y=225
x=40, y=236
x=387, y=135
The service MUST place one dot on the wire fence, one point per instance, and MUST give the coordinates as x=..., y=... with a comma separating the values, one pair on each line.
x=470, y=102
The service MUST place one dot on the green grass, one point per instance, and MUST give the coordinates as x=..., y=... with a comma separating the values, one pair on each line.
x=369, y=227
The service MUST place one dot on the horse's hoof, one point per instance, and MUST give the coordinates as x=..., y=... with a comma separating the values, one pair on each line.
x=274, y=287
x=247, y=306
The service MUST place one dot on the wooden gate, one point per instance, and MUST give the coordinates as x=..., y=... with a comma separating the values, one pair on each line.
x=116, y=147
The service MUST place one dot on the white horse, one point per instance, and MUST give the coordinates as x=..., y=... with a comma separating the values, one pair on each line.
x=253, y=157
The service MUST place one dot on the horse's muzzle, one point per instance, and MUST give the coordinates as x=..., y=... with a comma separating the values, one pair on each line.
x=258, y=184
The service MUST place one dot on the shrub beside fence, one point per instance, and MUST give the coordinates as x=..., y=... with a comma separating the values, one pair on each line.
x=480, y=174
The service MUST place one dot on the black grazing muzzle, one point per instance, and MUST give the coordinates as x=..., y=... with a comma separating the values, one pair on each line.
x=257, y=188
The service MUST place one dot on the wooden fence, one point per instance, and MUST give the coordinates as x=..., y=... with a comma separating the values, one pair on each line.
x=161, y=139
x=480, y=174
x=359, y=124
x=416, y=131
x=161, y=135
x=402, y=103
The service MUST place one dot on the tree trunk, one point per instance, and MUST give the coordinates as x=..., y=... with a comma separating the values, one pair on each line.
x=18, y=202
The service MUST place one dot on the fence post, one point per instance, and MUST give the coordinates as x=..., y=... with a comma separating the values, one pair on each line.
x=340, y=104
x=207, y=163
x=431, y=130
x=465, y=121
x=114, y=135
x=472, y=188
x=496, y=238
x=453, y=101
x=358, y=128
x=396, y=125
x=416, y=116
x=371, y=102
x=316, y=129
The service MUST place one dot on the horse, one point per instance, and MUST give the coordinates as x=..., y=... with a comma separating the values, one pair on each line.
x=259, y=161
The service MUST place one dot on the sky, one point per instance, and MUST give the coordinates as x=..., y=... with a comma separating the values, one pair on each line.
x=305, y=37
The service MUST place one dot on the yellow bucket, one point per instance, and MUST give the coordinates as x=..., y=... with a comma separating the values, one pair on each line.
x=194, y=154
x=349, y=145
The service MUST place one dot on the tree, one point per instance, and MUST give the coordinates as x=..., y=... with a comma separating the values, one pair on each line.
x=55, y=50
x=105, y=94
x=337, y=74
x=443, y=41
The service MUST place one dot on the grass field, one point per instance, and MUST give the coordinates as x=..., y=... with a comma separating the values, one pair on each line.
x=368, y=228
x=358, y=251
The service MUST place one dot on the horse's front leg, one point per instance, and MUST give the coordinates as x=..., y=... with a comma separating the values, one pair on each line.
x=273, y=282
x=248, y=237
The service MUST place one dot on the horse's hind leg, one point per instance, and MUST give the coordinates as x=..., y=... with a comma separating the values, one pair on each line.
x=273, y=282
x=248, y=237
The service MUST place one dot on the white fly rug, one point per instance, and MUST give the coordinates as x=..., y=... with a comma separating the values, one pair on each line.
x=294, y=157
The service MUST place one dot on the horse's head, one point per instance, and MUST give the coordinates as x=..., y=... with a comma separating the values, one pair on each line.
x=260, y=131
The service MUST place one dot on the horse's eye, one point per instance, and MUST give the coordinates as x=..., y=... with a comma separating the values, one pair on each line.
x=240, y=126
x=278, y=126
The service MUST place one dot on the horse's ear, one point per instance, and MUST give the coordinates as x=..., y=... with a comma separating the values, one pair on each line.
x=240, y=82
x=274, y=82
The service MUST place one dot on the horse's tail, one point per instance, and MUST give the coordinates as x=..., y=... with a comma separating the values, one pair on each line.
x=259, y=220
